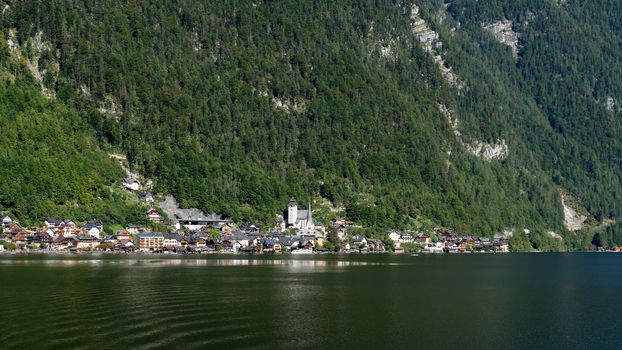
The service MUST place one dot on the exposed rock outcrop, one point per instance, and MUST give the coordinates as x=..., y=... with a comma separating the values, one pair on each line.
x=503, y=32
x=432, y=44
x=489, y=151
x=38, y=46
x=486, y=151
x=109, y=106
x=611, y=104
x=573, y=220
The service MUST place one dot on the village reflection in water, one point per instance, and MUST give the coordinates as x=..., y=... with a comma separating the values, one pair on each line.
x=314, y=264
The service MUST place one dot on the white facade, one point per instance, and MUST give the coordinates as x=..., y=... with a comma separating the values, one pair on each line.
x=300, y=219
x=94, y=231
x=292, y=213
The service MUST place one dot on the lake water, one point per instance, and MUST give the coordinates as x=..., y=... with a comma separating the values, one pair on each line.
x=514, y=301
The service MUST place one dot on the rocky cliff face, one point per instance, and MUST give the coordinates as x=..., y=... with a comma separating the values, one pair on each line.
x=503, y=32
x=433, y=45
x=573, y=220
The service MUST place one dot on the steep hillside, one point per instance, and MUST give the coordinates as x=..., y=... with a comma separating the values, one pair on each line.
x=471, y=114
x=50, y=162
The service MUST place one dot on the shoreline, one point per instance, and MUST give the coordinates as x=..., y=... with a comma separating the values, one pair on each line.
x=286, y=254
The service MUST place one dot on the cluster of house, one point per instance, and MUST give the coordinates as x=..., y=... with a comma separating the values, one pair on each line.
x=55, y=234
x=195, y=232
x=445, y=241
x=66, y=235
x=249, y=243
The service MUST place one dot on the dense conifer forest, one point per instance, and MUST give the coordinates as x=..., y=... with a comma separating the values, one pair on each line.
x=236, y=106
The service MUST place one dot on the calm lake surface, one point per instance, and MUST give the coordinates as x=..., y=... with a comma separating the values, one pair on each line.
x=517, y=301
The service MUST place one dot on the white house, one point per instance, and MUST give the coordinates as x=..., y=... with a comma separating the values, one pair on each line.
x=133, y=229
x=400, y=237
x=359, y=240
x=394, y=236
x=172, y=241
x=93, y=231
x=406, y=238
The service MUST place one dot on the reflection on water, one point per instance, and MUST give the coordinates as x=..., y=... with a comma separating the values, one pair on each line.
x=362, y=302
x=315, y=264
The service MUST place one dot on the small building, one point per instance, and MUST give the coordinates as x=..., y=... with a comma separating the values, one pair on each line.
x=376, y=245
x=398, y=250
x=339, y=222
x=6, y=222
x=134, y=229
x=249, y=228
x=86, y=242
x=62, y=243
x=424, y=239
x=394, y=236
x=359, y=241
x=43, y=238
x=405, y=238
x=53, y=222
x=226, y=229
x=154, y=215
x=172, y=241
x=92, y=229
x=501, y=247
x=122, y=235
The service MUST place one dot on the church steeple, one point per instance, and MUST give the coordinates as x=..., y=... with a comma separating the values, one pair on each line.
x=310, y=215
x=292, y=212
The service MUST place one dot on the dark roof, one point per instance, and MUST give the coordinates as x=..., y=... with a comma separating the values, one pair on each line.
x=173, y=236
x=151, y=234
x=270, y=241
x=86, y=238
x=239, y=236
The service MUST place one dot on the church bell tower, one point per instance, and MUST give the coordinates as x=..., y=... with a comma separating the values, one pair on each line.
x=292, y=212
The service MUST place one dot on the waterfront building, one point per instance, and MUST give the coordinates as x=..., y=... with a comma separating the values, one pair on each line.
x=86, y=242
x=150, y=241
x=172, y=241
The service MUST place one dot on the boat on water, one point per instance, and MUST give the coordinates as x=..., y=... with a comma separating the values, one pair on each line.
x=414, y=254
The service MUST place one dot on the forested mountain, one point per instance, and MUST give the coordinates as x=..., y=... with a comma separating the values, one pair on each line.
x=475, y=115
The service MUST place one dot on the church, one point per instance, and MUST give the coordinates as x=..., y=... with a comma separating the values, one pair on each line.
x=299, y=218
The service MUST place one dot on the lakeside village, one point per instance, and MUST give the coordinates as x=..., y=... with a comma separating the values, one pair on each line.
x=194, y=232
x=295, y=232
